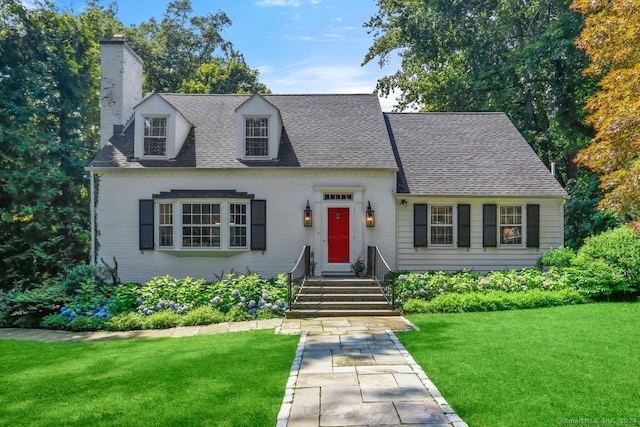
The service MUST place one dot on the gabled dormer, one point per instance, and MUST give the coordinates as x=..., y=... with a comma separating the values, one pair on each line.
x=258, y=128
x=160, y=129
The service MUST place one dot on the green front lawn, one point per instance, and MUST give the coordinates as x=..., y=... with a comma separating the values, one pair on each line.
x=540, y=367
x=223, y=380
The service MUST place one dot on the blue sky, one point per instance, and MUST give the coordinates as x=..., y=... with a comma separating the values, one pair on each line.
x=299, y=46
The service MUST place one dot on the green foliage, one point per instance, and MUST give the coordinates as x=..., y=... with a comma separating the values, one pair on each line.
x=231, y=75
x=55, y=321
x=162, y=320
x=582, y=216
x=84, y=323
x=84, y=274
x=608, y=264
x=26, y=308
x=48, y=111
x=499, y=300
x=126, y=322
x=237, y=314
x=429, y=285
x=559, y=258
x=202, y=316
x=511, y=56
x=124, y=298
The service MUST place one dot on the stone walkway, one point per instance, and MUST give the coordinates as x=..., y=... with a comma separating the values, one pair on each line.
x=347, y=371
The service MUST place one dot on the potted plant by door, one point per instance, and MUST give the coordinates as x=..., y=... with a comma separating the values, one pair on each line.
x=358, y=267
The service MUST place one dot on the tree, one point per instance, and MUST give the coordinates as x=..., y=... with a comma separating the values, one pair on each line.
x=175, y=48
x=611, y=39
x=48, y=129
x=231, y=75
x=491, y=55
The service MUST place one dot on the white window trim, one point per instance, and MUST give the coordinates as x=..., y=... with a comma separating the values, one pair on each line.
x=523, y=226
x=454, y=220
x=225, y=226
x=244, y=136
x=167, y=136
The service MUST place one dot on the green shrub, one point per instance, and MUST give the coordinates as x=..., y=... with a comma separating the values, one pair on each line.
x=162, y=320
x=268, y=313
x=84, y=323
x=55, y=321
x=500, y=300
x=596, y=278
x=123, y=298
x=426, y=286
x=94, y=276
x=125, y=322
x=559, y=258
x=202, y=316
x=615, y=257
x=27, y=308
x=238, y=314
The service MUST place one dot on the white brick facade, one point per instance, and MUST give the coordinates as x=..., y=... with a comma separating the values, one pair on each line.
x=120, y=85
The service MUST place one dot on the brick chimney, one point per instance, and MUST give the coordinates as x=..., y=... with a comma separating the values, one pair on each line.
x=120, y=86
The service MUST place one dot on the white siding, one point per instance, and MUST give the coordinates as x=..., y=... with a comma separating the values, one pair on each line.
x=286, y=193
x=477, y=257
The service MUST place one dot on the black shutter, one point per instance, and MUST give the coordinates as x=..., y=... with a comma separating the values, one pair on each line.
x=464, y=226
x=533, y=226
x=489, y=226
x=146, y=224
x=420, y=225
x=259, y=225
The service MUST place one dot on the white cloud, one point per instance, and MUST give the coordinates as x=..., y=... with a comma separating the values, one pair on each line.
x=309, y=78
x=272, y=3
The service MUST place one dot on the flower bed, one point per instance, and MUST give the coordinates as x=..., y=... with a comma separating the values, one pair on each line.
x=430, y=286
x=166, y=301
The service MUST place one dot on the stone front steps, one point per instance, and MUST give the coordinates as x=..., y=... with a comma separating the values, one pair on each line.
x=323, y=297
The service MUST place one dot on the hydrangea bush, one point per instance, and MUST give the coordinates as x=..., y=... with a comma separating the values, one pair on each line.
x=426, y=286
x=168, y=301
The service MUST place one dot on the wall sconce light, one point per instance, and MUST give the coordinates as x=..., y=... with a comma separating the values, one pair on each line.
x=370, y=216
x=308, y=216
x=403, y=202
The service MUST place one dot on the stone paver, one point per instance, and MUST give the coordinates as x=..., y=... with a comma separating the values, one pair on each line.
x=347, y=371
x=364, y=375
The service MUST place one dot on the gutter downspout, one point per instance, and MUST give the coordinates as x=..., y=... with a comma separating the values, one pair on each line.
x=92, y=198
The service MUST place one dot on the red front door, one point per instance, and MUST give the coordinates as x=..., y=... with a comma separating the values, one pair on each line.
x=338, y=235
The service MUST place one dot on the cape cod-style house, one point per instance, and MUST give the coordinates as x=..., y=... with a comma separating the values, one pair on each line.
x=200, y=184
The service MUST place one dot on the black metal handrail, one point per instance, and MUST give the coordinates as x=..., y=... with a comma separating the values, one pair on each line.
x=378, y=269
x=298, y=274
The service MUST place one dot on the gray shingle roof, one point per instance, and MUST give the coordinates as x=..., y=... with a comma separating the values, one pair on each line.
x=458, y=154
x=466, y=154
x=319, y=131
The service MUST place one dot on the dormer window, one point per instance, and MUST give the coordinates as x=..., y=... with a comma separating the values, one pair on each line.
x=256, y=137
x=155, y=136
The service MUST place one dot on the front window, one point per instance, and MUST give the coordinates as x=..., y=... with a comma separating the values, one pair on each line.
x=257, y=137
x=155, y=136
x=237, y=225
x=200, y=225
x=441, y=225
x=165, y=228
x=510, y=225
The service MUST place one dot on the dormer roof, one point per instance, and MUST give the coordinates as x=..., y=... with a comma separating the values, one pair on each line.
x=318, y=131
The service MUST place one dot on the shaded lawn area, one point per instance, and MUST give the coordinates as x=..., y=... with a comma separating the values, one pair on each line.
x=223, y=380
x=540, y=367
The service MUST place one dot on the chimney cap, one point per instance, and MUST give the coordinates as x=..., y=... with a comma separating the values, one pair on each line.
x=118, y=37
